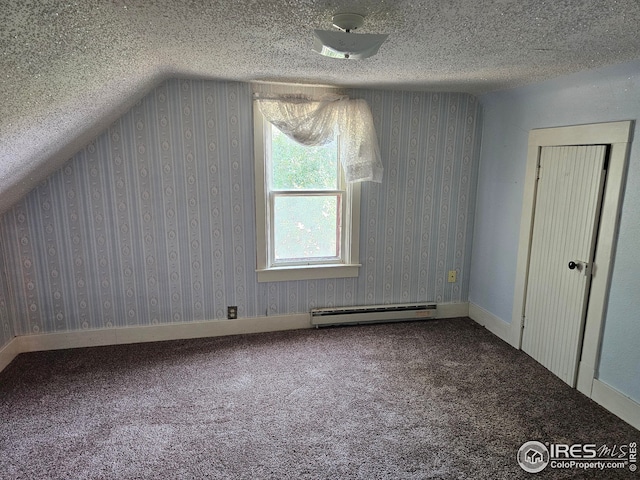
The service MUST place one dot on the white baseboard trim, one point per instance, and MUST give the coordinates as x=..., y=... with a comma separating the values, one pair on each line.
x=453, y=310
x=156, y=333
x=10, y=351
x=617, y=403
x=177, y=331
x=495, y=325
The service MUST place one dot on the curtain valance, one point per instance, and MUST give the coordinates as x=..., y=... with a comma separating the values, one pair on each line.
x=315, y=121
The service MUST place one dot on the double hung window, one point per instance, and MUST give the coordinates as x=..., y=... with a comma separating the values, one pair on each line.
x=307, y=216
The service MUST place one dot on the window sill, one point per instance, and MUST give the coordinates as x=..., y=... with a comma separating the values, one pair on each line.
x=314, y=272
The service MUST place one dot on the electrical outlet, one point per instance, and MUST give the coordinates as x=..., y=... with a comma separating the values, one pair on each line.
x=452, y=276
x=232, y=313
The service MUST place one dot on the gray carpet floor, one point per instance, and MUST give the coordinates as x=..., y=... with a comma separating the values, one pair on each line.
x=433, y=399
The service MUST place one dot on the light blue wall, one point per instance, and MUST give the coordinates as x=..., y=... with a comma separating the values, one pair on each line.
x=602, y=95
x=153, y=222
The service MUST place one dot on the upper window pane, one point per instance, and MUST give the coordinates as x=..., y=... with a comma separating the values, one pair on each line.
x=300, y=167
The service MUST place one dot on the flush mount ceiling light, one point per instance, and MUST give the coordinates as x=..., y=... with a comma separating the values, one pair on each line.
x=345, y=44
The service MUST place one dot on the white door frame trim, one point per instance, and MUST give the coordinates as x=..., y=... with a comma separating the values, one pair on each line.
x=618, y=135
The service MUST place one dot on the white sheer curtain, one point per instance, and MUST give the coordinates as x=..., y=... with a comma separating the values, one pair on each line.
x=315, y=121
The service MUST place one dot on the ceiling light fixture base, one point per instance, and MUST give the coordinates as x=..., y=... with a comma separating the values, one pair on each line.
x=344, y=44
x=347, y=21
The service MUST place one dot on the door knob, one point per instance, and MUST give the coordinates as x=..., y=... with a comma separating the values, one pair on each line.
x=579, y=265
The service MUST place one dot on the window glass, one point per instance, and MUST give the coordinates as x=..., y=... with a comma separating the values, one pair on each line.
x=306, y=227
x=300, y=167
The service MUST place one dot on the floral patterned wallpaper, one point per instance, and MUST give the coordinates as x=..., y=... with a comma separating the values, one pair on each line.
x=6, y=314
x=153, y=222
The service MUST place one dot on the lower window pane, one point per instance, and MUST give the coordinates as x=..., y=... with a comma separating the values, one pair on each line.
x=306, y=227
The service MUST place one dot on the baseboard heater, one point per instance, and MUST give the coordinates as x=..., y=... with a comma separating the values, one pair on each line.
x=321, y=317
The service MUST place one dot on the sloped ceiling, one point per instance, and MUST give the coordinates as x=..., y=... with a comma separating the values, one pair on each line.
x=68, y=68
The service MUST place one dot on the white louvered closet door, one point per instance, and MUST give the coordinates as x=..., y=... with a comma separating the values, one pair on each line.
x=567, y=211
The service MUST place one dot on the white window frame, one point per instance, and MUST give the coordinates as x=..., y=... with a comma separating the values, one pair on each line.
x=267, y=269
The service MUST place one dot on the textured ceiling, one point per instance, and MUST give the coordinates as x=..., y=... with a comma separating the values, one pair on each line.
x=70, y=67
